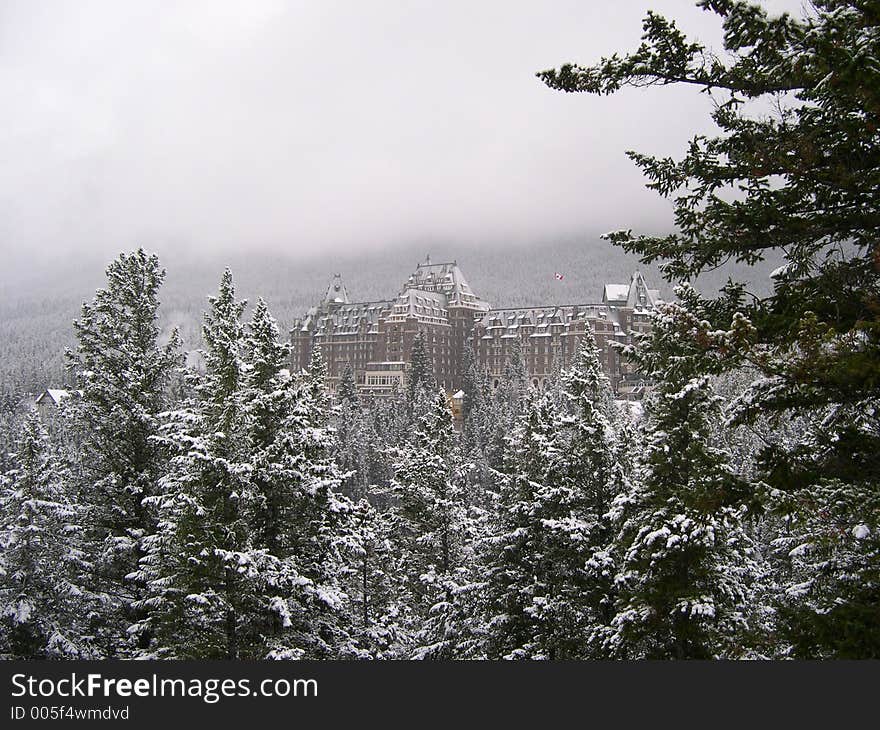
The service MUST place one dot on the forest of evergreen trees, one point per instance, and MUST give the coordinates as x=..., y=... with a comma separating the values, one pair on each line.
x=236, y=513
x=233, y=511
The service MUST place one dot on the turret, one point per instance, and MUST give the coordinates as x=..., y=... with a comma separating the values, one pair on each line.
x=336, y=293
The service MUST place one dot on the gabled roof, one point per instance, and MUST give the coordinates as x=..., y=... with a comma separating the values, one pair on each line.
x=56, y=395
x=640, y=296
x=616, y=293
x=447, y=279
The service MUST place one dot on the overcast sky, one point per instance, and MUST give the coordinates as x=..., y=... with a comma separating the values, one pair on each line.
x=302, y=126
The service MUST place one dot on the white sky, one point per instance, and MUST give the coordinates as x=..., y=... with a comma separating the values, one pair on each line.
x=302, y=126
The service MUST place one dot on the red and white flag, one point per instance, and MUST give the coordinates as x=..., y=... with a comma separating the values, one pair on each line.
x=559, y=277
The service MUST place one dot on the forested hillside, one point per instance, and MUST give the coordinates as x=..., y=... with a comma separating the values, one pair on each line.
x=39, y=303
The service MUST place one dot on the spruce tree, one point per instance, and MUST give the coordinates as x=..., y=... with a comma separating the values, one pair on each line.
x=266, y=401
x=347, y=391
x=44, y=603
x=431, y=516
x=202, y=576
x=472, y=384
x=421, y=371
x=797, y=180
x=124, y=375
x=685, y=561
x=589, y=467
x=378, y=614
x=313, y=522
x=316, y=379
x=539, y=594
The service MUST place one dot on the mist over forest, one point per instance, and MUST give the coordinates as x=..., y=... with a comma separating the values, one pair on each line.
x=40, y=300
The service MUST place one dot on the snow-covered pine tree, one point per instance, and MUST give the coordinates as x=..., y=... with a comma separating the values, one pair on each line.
x=347, y=391
x=124, y=375
x=309, y=524
x=587, y=466
x=421, y=371
x=203, y=578
x=266, y=400
x=536, y=603
x=390, y=422
x=508, y=401
x=316, y=380
x=44, y=605
x=514, y=385
x=357, y=450
x=685, y=563
x=827, y=546
x=378, y=617
x=472, y=384
x=431, y=516
x=354, y=438
x=792, y=174
x=477, y=415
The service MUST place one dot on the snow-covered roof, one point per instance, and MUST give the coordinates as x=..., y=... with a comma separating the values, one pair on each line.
x=56, y=395
x=336, y=291
x=780, y=271
x=616, y=292
x=544, y=318
x=348, y=318
x=445, y=278
x=425, y=306
x=640, y=296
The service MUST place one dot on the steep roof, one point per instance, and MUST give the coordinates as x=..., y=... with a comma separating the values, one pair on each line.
x=348, y=318
x=425, y=306
x=640, y=296
x=56, y=395
x=447, y=279
x=616, y=293
x=336, y=291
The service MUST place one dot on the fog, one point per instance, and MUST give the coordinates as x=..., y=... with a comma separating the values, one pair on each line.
x=303, y=127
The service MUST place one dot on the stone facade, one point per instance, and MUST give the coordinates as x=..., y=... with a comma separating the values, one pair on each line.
x=376, y=337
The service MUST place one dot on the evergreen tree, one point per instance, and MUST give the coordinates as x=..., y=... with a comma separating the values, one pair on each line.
x=508, y=402
x=805, y=176
x=685, y=560
x=827, y=546
x=473, y=384
x=124, y=375
x=421, y=372
x=514, y=385
x=543, y=594
x=431, y=516
x=358, y=451
x=589, y=467
x=314, y=522
x=379, y=619
x=204, y=598
x=347, y=392
x=266, y=402
x=44, y=607
x=316, y=379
